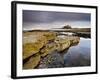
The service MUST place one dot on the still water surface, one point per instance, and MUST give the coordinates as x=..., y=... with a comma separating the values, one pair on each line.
x=78, y=55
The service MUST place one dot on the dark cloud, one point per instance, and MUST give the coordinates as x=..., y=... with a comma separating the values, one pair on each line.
x=49, y=16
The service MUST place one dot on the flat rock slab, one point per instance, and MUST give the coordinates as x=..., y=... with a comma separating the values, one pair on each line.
x=32, y=62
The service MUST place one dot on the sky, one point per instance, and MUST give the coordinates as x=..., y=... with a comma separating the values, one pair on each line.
x=48, y=19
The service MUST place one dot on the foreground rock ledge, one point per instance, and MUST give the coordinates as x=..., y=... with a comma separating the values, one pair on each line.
x=40, y=44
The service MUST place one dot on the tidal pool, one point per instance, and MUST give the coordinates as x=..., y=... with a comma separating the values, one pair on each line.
x=79, y=55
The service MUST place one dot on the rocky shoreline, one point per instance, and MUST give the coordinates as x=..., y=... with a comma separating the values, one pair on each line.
x=39, y=48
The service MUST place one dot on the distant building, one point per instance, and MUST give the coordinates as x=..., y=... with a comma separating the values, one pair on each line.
x=67, y=27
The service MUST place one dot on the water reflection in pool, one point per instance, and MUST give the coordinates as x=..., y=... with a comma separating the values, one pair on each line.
x=78, y=55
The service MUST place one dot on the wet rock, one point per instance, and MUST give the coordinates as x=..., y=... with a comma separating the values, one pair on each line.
x=53, y=60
